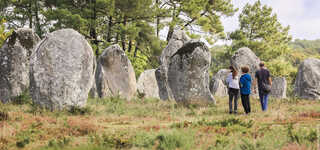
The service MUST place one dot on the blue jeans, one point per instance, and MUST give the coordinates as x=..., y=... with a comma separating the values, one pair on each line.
x=264, y=100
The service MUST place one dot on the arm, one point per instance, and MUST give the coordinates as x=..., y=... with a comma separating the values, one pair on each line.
x=270, y=81
x=269, y=78
x=228, y=79
x=255, y=82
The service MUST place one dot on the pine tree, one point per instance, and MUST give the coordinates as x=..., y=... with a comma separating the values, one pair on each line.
x=261, y=31
x=200, y=17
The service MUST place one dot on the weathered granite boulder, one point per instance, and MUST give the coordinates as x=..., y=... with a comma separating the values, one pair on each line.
x=222, y=75
x=218, y=87
x=307, y=84
x=14, y=63
x=148, y=84
x=245, y=57
x=93, y=93
x=178, y=39
x=115, y=74
x=279, y=88
x=188, y=76
x=62, y=70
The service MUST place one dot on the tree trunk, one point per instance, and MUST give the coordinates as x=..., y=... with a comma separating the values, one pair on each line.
x=136, y=50
x=30, y=14
x=93, y=31
x=109, y=29
x=130, y=46
x=123, y=36
x=158, y=21
x=38, y=26
x=171, y=28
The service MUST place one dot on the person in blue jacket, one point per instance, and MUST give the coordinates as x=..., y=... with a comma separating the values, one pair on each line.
x=245, y=88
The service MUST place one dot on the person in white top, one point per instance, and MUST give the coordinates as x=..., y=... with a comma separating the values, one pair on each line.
x=233, y=89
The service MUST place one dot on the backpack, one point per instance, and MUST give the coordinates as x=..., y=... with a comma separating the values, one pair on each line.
x=266, y=87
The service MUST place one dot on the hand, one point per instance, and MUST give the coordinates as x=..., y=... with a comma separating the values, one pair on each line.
x=254, y=91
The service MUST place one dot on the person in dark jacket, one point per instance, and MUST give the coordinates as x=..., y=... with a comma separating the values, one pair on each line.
x=245, y=89
x=264, y=80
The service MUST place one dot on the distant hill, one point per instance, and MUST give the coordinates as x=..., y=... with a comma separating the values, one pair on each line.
x=306, y=46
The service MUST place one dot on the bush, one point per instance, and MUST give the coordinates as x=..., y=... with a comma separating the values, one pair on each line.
x=4, y=112
x=175, y=140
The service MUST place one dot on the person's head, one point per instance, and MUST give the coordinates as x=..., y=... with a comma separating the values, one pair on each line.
x=261, y=64
x=234, y=71
x=245, y=69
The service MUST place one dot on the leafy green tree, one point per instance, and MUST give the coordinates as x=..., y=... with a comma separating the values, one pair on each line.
x=21, y=13
x=200, y=17
x=261, y=31
x=4, y=33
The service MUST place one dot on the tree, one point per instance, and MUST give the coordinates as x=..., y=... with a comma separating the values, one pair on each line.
x=4, y=33
x=21, y=13
x=261, y=31
x=200, y=17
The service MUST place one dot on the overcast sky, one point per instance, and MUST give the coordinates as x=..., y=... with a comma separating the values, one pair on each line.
x=303, y=16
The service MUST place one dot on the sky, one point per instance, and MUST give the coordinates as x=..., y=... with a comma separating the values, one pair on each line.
x=303, y=16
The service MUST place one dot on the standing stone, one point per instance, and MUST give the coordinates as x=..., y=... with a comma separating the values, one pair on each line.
x=14, y=63
x=62, y=70
x=148, y=84
x=279, y=88
x=222, y=75
x=178, y=39
x=115, y=74
x=307, y=84
x=93, y=93
x=246, y=57
x=218, y=86
x=188, y=75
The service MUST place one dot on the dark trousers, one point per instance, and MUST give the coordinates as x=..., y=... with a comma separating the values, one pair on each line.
x=245, y=99
x=233, y=96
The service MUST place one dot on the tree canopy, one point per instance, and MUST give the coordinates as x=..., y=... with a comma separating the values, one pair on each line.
x=261, y=31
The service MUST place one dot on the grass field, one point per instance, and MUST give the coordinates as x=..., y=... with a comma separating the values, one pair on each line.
x=153, y=124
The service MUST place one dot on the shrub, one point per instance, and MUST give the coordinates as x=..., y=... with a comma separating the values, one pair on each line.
x=175, y=140
x=4, y=112
x=22, y=99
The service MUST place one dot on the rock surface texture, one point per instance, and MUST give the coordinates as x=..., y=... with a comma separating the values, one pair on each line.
x=148, y=84
x=188, y=76
x=62, y=70
x=176, y=42
x=14, y=63
x=279, y=87
x=307, y=84
x=246, y=57
x=218, y=85
x=115, y=74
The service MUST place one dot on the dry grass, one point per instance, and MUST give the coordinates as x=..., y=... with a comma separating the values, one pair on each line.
x=212, y=126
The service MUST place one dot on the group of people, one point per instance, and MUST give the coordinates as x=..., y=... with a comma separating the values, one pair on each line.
x=242, y=86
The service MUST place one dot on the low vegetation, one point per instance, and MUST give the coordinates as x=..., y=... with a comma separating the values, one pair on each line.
x=114, y=123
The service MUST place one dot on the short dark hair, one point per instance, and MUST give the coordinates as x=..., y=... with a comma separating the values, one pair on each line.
x=245, y=69
x=261, y=64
